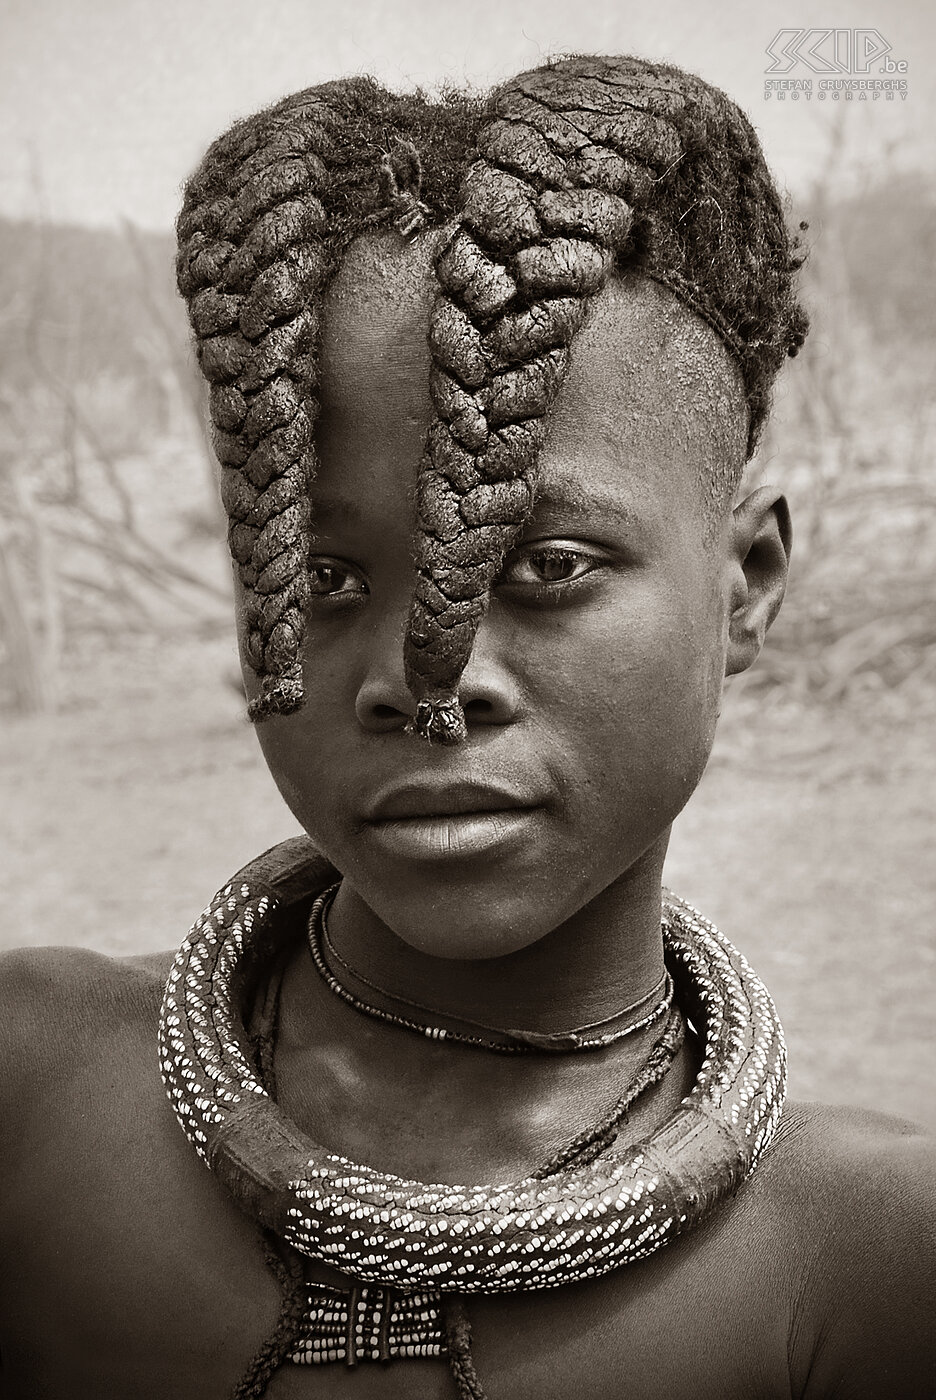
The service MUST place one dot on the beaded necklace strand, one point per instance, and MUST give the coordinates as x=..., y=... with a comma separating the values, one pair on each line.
x=514, y=1042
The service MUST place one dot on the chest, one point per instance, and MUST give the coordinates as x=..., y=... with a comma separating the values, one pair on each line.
x=131, y=1274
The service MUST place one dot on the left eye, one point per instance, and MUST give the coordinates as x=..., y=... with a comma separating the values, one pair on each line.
x=539, y=564
x=330, y=576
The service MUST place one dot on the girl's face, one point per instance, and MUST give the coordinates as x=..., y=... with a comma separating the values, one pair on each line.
x=593, y=688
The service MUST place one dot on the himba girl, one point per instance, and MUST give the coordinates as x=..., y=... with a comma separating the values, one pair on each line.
x=449, y=1098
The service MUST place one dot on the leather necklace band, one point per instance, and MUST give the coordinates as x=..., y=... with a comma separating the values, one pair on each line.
x=644, y=1012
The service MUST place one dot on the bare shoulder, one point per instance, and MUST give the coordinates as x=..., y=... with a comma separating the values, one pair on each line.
x=867, y=1177
x=861, y=1187
x=845, y=1141
x=859, y=1163
x=57, y=1004
x=35, y=981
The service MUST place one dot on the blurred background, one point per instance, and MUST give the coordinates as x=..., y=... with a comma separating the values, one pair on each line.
x=132, y=784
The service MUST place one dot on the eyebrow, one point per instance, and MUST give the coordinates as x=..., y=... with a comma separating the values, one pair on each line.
x=561, y=496
x=329, y=509
x=566, y=497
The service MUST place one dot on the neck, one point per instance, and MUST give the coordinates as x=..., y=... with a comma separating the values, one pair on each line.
x=607, y=956
x=440, y=1111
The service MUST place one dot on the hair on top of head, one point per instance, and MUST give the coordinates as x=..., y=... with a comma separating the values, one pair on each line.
x=541, y=190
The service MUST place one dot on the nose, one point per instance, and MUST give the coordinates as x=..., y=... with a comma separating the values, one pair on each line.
x=488, y=690
x=383, y=702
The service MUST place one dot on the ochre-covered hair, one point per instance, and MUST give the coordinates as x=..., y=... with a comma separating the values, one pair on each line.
x=539, y=191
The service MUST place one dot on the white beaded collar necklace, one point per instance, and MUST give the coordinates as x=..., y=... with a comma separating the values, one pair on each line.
x=534, y=1233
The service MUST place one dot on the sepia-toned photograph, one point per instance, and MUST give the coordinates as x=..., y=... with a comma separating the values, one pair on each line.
x=467, y=700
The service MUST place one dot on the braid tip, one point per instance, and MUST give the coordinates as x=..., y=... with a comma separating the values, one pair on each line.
x=439, y=721
x=279, y=695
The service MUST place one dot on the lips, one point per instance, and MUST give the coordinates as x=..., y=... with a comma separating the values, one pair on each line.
x=434, y=821
x=414, y=801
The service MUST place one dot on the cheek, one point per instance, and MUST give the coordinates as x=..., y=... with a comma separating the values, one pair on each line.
x=306, y=752
x=633, y=690
x=302, y=764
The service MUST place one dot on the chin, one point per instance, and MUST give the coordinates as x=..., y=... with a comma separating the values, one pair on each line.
x=468, y=944
x=459, y=924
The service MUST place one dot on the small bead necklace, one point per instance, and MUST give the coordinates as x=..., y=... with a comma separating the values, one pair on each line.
x=644, y=1012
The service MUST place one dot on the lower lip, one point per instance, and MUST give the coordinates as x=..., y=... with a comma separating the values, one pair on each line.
x=461, y=836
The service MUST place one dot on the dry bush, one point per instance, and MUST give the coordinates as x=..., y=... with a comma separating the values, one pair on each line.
x=105, y=477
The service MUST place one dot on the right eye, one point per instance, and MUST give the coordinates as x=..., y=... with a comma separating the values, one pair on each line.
x=330, y=577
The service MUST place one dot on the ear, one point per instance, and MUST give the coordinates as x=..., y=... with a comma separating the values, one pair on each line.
x=761, y=541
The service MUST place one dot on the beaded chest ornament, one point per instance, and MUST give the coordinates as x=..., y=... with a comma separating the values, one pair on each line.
x=380, y=1229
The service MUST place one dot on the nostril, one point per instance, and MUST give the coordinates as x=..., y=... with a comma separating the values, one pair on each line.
x=383, y=701
x=381, y=717
x=478, y=709
x=387, y=713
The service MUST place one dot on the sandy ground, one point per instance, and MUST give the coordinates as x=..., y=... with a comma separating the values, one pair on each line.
x=810, y=842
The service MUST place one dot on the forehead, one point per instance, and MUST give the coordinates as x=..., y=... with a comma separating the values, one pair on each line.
x=649, y=378
x=652, y=396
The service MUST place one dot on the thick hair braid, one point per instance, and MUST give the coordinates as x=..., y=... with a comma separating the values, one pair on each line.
x=252, y=265
x=567, y=172
x=582, y=165
x=264, y=223
x=533, y=243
